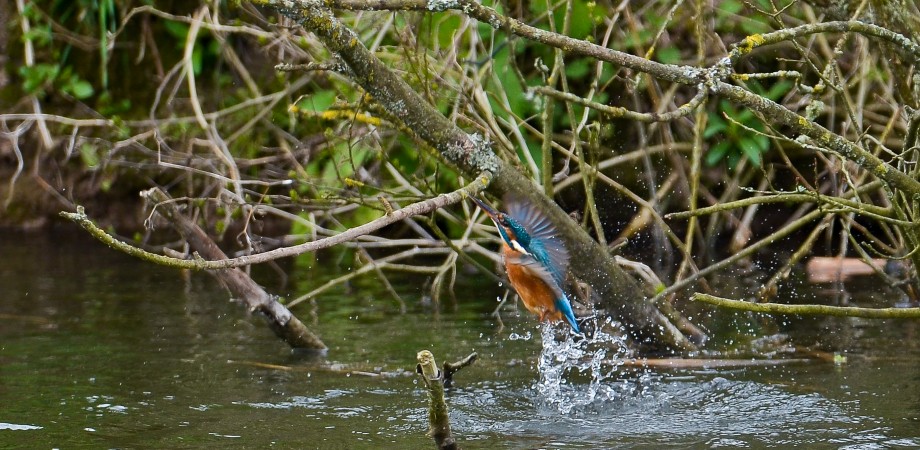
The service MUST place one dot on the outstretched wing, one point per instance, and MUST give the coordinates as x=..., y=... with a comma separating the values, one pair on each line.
x=545, y=243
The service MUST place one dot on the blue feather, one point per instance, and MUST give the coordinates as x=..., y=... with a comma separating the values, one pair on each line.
x=562, y=304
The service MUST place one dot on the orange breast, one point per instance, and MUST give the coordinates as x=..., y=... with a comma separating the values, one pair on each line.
x=536, y=295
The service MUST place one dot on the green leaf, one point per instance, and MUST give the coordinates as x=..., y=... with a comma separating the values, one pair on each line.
x=750, y=149
x=732, y=160
x=89, y=155
x=318, y=102
x=716, y=126
x=763, y=143
x=778, y=89
x=36, y=77
x=178, y=30
x=717, y=152
x=579, y=28
x=577, y=69
x=39, y=36
x=80, y=89
x=731, y=6
x=754, y=26
x=197, y=58
x=669, y=55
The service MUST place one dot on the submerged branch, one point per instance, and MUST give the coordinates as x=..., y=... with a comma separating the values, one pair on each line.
x=812, y=310
x=451, y=368
x=280, y=319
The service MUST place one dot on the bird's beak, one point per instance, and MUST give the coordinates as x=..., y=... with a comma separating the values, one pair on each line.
x=488, y=209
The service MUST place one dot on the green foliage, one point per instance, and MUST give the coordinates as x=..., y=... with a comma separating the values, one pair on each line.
x=55, y=71
x=43, y=78
x=736, y=15
x=737, y=132
x=318, y=101
x=89, y=155
x=206, y=50
x=669, y=55
x=108, y=106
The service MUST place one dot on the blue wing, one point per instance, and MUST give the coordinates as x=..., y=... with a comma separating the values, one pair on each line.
x=545, y=243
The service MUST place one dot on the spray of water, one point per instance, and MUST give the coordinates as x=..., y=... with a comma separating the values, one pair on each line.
x=566, y=361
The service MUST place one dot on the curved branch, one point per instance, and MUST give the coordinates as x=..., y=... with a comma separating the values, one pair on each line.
x=744, y=253
x=758, y=40
x=620, y=112
x=849, y=205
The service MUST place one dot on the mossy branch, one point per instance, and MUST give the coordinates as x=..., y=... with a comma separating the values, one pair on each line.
x=810, y=310
x=80, y=217
x=438, y=417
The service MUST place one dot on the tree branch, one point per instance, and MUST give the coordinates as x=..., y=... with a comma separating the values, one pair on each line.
x=198, y=263
x=280, y=319
x=810, y=310
x=712, y=78
x=618, y=292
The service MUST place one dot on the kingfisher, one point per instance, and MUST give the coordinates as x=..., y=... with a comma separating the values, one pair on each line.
x=535, y=259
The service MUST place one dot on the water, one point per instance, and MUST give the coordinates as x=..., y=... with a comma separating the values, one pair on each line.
x=98, y=350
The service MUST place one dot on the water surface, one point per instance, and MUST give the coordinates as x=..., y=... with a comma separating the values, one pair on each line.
x=98, y=350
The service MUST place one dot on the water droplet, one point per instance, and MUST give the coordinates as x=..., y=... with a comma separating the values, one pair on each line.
x=597, y=357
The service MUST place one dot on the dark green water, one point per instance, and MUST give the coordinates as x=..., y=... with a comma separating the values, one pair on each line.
x=98, y=350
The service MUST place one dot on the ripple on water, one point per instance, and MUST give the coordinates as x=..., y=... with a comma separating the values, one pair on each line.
x=578, y=400
x=18, y=427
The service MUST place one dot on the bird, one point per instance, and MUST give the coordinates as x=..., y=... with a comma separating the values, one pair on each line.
x=535, y=259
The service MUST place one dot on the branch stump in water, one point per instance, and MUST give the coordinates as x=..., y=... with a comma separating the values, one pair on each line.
x=436, y=380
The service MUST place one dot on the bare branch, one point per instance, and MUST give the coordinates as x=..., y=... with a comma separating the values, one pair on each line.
x=414, y=209
x=811, y=310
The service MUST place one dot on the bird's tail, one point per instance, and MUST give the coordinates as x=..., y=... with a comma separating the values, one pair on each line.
x=563, y=305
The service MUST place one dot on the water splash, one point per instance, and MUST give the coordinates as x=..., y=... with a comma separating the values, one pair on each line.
x=596, y=358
